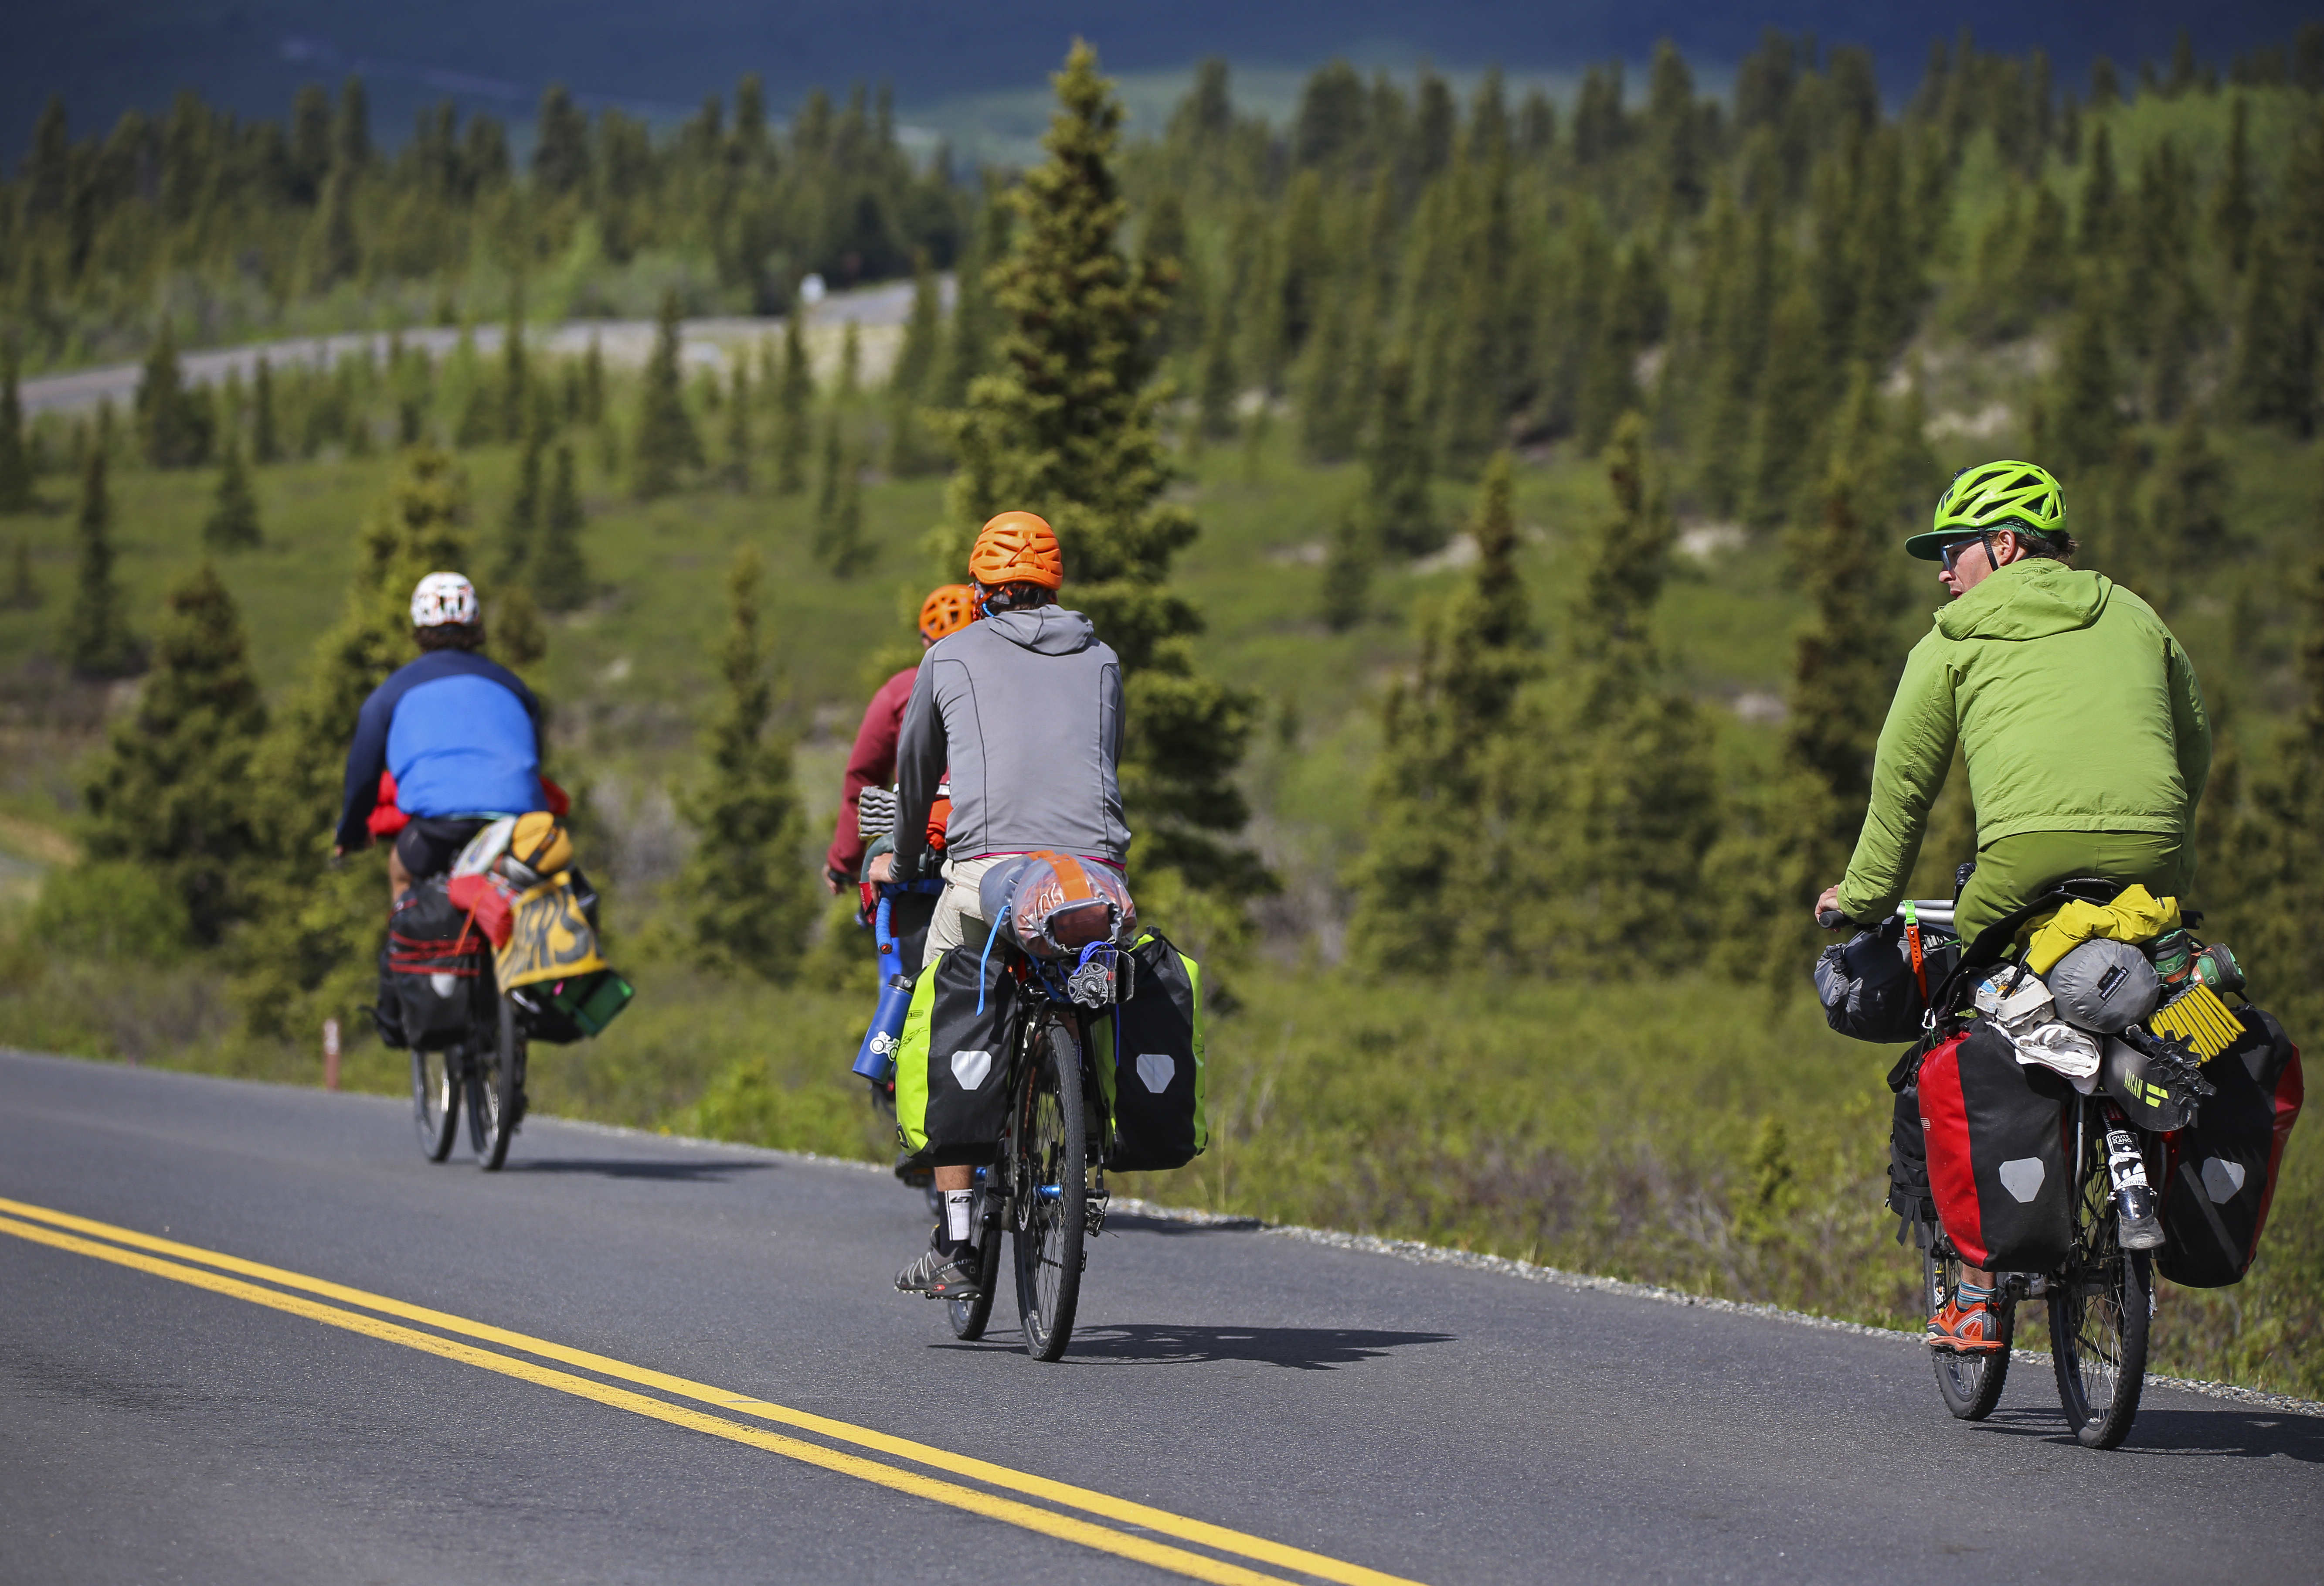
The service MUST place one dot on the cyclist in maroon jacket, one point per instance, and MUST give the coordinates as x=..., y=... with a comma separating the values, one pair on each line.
x=872, y=762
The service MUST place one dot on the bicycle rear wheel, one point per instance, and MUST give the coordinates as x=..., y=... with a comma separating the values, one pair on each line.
x=1969, y=1384
x=968, y=1317
x=495, y=1086
x=2100, y=1312
x=1051, y=1191
x=435, y=1103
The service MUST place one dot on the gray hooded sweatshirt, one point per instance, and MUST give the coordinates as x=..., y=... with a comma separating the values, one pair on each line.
x=1026, y=709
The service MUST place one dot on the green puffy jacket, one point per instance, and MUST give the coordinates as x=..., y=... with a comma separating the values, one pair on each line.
x=2074, y=706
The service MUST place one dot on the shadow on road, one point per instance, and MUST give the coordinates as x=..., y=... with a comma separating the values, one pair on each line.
x=1305, y=1349
x=2237, y=1431
x=637, y=1167
x=1131, y=1222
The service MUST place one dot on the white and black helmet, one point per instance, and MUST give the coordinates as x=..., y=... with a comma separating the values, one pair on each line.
x=444, y=600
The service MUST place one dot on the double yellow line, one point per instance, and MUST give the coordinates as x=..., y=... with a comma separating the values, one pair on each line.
x=1062, y=1519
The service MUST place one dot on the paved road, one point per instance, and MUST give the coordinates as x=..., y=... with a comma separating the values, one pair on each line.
x=624, y=343
x=1435, y=1424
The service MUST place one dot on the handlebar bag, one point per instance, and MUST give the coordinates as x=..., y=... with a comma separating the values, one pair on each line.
x=431, y=968
x=2222, y=1168
x=1869, y=987
x=1996, y=1133
x=1147, y=1052
x=952, y=1060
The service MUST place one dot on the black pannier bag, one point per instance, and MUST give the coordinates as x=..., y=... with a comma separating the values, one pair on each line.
x=1868, y=987
x=1996, y=1132
x=1909, y=1196
x=2222, y=1168
x=1147, y=1053
x=430, y=970
x=952, y=1062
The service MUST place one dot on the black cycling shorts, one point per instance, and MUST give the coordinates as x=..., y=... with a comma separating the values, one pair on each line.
x=428, y=846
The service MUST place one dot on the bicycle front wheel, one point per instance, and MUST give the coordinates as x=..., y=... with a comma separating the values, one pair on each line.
x=435, y=1103
x=2100, y=1312
x=1051, y=1178
x=495, y=1086
x=1970, y=1385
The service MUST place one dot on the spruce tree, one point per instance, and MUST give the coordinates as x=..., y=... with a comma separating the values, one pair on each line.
x=515, y=383
x=24, y=590
x=851, y=363
x=15, y=457
x=737, y=428
x=1396, y=467
x=793, y=397
x=2188, y=509
x=748, y=905
x=665, y=443
x=1603, y=800
x=561, y=571
x=2100, y=197
x=520, y=528
x=1068, y=428
x=233, y=523
x=1444, y=728
x=2081, y=419
x=1787, y=418
x=593, y=384
x=909, y=452
x=95, y=640
x=172, y=793
x=308, y=954
x=266, y=437
x=2233, y=212
x=2269, y=384
x=1215, y=398
x=1347, y=572
x=168, y=430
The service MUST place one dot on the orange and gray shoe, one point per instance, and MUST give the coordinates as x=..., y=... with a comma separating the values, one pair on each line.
x=1971, y=1329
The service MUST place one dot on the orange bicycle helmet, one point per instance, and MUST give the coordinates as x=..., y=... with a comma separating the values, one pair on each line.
x=1017, y=548
x=947, y=610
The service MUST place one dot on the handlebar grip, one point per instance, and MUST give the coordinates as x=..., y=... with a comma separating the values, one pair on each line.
x=1831, y=919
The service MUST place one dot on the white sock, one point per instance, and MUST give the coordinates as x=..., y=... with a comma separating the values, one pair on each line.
x=956, y=1215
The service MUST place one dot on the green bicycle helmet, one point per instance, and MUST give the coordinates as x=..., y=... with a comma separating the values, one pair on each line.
x=2021, y=497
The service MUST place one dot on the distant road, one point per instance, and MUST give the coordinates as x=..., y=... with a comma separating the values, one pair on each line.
x=247, y=1335
x=623, y=342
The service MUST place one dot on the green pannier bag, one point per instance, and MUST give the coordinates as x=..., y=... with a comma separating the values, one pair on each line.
x=1147, y=1055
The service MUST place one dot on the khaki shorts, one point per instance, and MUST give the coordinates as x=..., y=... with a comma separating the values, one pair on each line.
x=956, y=919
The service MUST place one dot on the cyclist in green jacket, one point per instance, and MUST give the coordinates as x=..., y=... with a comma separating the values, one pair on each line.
x=2079, y=717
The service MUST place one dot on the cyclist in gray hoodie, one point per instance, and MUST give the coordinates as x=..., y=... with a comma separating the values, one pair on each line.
x=1025, y=708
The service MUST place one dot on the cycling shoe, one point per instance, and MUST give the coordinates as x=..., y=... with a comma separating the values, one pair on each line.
x=942, y=1276
x=1974, y=1329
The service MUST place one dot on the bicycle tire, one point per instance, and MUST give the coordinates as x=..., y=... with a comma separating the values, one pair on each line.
x=496, y=1084
x=1970, y=1385
x=1051, y=1191
x=968, y=1316
x=2101, y=1309
x=435, y=1103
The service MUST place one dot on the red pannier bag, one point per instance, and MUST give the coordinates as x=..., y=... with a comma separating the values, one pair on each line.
x=1997, y=1133
x=2222, y=1169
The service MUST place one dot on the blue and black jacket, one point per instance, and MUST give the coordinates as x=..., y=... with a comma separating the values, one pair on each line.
x=462, y=735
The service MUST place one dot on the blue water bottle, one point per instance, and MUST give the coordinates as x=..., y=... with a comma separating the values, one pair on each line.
x=876, y=1058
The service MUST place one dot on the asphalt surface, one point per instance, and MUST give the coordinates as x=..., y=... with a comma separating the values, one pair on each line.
x=1435, y=1422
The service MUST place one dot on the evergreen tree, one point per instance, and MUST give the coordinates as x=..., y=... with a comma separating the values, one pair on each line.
x=95, y=640
x=851, y=362
x=826, y=494
x=233, y=523
x=2100, y=197
x=266, y=439
x=2187, y=517
x=522, y=527
x=1787, y=418
x=665, y=443
x=1442, y=729
x=737, y=428
x=1220, y=386
x=2269, y=384
x=842, y=541
x=23, y=591
x=908, y=379
x=308, y=954
x=173, y=792
x=1401, y=518
x=793, y=397
x=1603, y=800
x=748, y=904
x=520, y=638
x=2081, y=420
x=1347, y=572
x=1329, y=416
x=561, y=572
x=15, y=457
x=593, y=384
x=169, y=428
x=1068, y=428
x=334, y=250
x=2233, y=212
x=516, y=384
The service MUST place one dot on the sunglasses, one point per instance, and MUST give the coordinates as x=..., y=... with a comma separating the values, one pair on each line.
x=1951, y=551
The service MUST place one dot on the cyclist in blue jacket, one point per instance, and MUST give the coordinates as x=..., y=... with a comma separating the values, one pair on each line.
x=460, y=734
